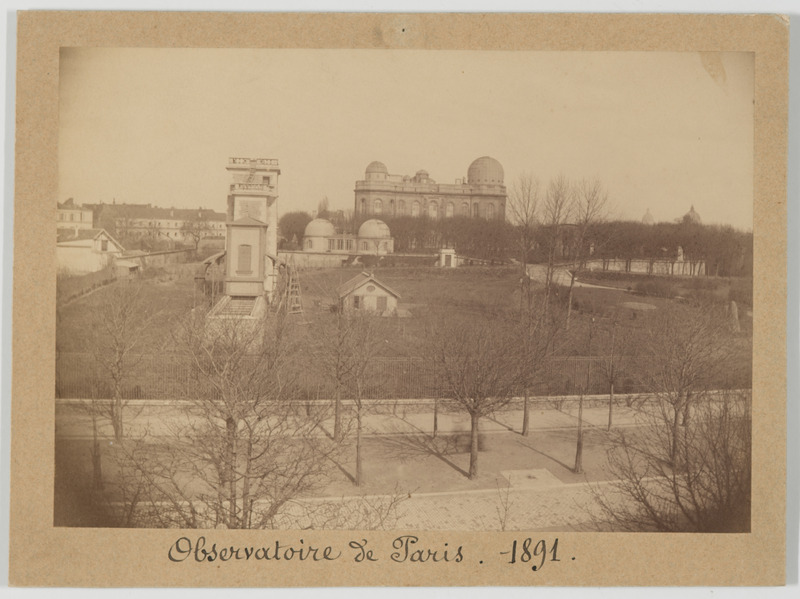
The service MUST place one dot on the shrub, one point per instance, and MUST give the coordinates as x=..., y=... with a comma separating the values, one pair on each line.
x=656, y=287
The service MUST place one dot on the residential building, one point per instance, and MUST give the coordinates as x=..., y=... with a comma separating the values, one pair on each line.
x=82, y=251
x=366, y=292
x=137, y=221
x=74, y=216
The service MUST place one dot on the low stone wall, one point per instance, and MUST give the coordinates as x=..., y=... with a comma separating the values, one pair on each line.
x=161, y=259
x=313, y=259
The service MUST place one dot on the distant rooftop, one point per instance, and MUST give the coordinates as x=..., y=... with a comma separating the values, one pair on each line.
x=157, y=212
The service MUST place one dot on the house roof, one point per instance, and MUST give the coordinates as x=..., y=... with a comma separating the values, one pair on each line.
x=70, y=205
x=360, y=280
x=249, y=221
x=157, y=212
x=67, y=235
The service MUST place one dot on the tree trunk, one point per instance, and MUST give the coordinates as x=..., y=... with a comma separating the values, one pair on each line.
x=116, y=416
x=611, y=405
x=473, y=447
x=675, y=427
x=97, y=460
x=579, y=446
x=525, y=416
x=230, y=442
x=569, y=299
x=247, y=504
x=359, y=470
x=435, y=417
x=337, y=415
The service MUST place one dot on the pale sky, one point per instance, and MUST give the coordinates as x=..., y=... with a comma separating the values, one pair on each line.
x=662, y=131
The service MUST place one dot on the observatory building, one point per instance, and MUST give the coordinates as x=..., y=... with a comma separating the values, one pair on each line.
x=251, y=246
x=374, y=238
x=481, y=194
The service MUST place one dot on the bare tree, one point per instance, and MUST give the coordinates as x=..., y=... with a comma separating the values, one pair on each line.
x=118, y=327
x=348, y=347
x=556, y=211
x=538, y=339
x=478, y=368
x=687, y=348
x=706, y=489
x=196, y=230
x=584, y=389
x=589, y=207
x=241, y=449
x=523, y=203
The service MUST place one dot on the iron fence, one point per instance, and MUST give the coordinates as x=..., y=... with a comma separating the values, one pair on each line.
x=168, y=376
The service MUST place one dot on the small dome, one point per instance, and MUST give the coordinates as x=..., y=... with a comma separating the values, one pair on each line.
x=319, y=227
x=373, y=229
x=485, y=171
x=376, y=167
x=692, y=216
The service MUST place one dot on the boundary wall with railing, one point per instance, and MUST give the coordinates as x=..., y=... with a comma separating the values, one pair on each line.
x=167, y=376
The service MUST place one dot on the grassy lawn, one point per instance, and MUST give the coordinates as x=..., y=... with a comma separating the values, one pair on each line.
x=166, y=298
x=463, y=293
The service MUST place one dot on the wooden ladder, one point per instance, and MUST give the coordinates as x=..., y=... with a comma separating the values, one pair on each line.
x=294, y=299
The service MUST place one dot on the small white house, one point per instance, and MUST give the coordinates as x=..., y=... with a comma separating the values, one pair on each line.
x=365, y=292
x=81, y=251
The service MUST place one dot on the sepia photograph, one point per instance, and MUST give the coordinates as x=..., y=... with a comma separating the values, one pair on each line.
x=399, y=300
x=399, y=289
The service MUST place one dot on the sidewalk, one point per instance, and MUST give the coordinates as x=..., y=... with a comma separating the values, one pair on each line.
x=74, y=421
x=505, y=421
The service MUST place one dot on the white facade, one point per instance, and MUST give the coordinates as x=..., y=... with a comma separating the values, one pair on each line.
x=90, y=250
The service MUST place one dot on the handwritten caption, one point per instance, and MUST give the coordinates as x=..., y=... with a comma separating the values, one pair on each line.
x=530, y=552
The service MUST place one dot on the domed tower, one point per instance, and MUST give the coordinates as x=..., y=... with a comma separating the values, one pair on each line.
x=374, y=237
x=376, y=171
x=316, y=234
x=485, y=171
x=485, y=177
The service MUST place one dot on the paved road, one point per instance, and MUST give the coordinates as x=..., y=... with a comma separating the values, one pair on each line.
x=561, y=276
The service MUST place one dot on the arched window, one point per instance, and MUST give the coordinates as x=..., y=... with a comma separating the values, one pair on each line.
x=363, y=205
x=475, y=210
x=309, y=244
x=391, y=208
x=401, y=208
x=415, y=208
x=449, y=210
x=245, y=262
x=433, y=210
x=490, y=211
x=465, y=209
x=377, y=206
